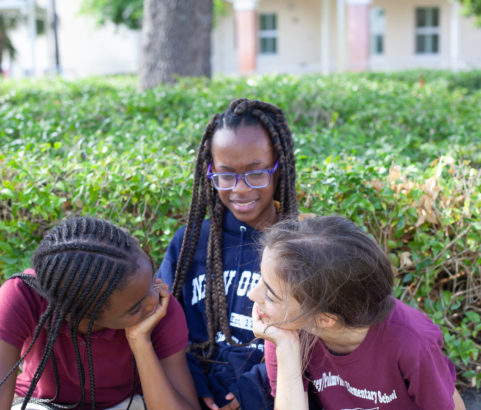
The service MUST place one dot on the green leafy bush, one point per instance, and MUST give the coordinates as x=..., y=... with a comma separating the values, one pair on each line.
x=398, y=153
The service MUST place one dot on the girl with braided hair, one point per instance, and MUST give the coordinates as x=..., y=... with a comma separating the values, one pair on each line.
x=245, y=181
x=92, y=326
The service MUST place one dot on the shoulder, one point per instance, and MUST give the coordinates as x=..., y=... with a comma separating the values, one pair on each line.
x=179, y=234
x=417, y=342
x=20, y=310
x=15, y=291
x=413, y=324
x=167, y=268
x=411, y=335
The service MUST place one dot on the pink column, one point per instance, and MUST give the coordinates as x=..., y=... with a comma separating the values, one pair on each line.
x=358, y=36
x=246, y=39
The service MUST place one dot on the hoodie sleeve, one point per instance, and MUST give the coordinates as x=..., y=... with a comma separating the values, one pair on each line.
x=200, y=379
x=167, y=273
x=167, y=268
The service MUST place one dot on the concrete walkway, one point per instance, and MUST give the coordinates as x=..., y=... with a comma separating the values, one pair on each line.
x=472, y=399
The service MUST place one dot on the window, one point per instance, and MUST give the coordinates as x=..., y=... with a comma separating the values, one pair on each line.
x=377, y=22
x=268, y=33
x=427, y=30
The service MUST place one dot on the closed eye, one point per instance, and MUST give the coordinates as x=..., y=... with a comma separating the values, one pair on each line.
x=135, y=310
x=267, y=297
x=256, y=174
x=226, y=177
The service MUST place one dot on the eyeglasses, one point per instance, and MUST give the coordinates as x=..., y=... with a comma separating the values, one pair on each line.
x=257, y=178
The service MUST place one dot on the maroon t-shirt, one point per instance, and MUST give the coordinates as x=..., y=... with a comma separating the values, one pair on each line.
x=20, y=310
x=399, y=365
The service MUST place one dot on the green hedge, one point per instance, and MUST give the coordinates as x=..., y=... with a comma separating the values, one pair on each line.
x=399, y=153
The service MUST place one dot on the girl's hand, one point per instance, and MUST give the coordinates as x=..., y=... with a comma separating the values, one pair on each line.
x=232, y=405
x=142, y=330
x=269, y=332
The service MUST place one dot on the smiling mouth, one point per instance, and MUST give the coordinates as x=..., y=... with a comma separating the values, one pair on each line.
x=244, y=205
x=261, y=314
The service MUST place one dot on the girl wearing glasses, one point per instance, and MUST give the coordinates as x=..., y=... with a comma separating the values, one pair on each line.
x=324, y=304
x=244, y=181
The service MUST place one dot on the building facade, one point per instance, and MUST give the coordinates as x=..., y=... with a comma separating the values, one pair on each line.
x=304, y=36
x=265, y=36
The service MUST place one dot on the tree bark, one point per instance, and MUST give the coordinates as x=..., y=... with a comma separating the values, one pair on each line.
x=176, y=40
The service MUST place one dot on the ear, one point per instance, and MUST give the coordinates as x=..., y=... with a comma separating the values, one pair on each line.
x=326, y=320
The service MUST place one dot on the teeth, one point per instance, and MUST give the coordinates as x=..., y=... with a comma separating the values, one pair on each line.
x=244, y=203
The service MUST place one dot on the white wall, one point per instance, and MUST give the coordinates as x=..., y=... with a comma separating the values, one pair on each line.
x=469, y=44
x=85, y=48
x=224, y=53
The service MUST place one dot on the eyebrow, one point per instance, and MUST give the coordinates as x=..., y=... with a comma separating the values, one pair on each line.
x=270, y=289
x=252, y=164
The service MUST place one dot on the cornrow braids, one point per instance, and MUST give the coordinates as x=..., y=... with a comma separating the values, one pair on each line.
x=241, y=112
x=78, y=265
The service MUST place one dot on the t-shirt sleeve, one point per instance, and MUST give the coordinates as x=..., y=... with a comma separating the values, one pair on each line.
x=171, y=333
x=432, y=380
x=20, y=308
x=271, y=365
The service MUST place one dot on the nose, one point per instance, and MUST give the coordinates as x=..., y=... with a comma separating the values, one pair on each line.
x=241, y=186
x=252, y=295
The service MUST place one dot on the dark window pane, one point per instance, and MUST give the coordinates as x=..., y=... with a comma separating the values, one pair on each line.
x=268, y=22
x=434, y=43
x=263, y=21
x=273, y=45
x=379, y=44
x=268, y=45
x=420, y=45
x=273, y=22
x=420, y=17
x=435, y=17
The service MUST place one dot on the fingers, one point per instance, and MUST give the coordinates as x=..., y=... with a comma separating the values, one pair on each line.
x=258, y=326
x=232, y=405
x=261, y=327
x=209, y=402
x=161, y=287
x=164, y=296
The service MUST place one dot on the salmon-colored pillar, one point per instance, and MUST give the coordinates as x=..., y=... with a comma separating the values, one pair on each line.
x=358, y=34
x=246, y=35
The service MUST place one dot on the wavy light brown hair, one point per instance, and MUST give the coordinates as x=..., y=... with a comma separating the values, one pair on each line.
x=329, y=265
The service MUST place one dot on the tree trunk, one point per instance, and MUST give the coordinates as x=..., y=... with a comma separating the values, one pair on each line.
x=175, y=40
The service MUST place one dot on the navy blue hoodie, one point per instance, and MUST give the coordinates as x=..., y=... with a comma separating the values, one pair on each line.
x=240, y=372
